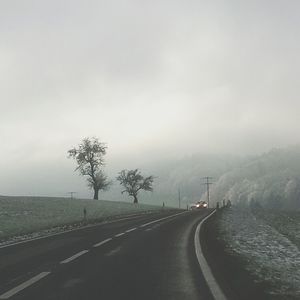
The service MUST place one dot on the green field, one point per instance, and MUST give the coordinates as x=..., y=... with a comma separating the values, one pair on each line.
x=25, y=215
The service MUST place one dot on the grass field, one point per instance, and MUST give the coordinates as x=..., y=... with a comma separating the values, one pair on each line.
x=25, y=215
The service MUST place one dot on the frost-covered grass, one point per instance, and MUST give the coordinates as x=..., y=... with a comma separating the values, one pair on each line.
x=286, y=222
x=268, y=246
x=24, y=215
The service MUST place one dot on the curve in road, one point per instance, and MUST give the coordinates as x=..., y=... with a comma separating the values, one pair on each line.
x=151, y=257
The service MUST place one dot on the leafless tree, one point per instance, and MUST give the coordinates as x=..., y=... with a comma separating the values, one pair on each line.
x=133, y=182
x=89, y=158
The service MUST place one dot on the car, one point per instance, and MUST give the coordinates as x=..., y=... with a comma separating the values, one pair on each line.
x=199, y=205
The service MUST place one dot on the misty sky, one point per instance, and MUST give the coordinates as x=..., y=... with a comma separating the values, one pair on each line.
x=152, y=79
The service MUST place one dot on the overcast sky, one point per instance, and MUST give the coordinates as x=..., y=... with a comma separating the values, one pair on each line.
x=152, y=79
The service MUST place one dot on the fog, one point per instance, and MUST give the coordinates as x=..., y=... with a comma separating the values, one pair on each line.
x=155, y=81
x=270, y=180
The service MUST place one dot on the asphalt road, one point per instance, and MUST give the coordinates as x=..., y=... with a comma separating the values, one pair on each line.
x=144, y=257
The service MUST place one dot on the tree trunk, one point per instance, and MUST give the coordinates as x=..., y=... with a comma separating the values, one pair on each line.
x=135, y=200
x=96, y=193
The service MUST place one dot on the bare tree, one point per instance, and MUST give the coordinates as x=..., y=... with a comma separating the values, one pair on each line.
x=101, y=182
x=89, y=158
x=133, y=182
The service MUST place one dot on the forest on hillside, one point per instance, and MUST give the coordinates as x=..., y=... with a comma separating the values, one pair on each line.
x=271, y=180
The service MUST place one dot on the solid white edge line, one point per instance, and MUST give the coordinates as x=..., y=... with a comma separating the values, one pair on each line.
x=23, y=285
x=155, y=221
x=67, y=260
x=102, y=243
x=206, y=271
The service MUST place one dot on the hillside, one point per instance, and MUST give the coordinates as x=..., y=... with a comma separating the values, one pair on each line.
x=271, y=180
x=185, y=174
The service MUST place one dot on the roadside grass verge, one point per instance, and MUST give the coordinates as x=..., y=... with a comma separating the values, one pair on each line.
x=228, y=268
x=250, y=258
x=21, y=216
x=285, y=222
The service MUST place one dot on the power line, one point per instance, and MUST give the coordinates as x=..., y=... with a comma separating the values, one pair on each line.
x=207, y=183
x=71, y=193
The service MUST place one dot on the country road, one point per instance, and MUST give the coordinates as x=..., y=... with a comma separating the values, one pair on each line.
x=138, y=257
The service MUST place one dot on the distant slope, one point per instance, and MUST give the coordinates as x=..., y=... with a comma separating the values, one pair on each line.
x=185, y=174
x=271, y=180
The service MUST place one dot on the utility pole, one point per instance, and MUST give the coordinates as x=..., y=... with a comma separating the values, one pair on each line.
x=207, y=183
x=179, y=200
x=72, y=193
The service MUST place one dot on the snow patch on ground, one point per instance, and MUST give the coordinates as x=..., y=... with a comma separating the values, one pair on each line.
x=271, y=256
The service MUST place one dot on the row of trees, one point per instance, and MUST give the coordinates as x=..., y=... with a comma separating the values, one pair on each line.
x=89, y=157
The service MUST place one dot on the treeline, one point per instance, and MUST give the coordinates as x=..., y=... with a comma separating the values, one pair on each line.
x=271, y=180
x=183, y=175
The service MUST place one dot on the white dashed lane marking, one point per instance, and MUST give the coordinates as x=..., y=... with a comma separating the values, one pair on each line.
x=74, y=257
x=119, y=234
x=129, y=230
x=155, y=221
x=24, y=285
x=40, y=276
x=102, y=243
